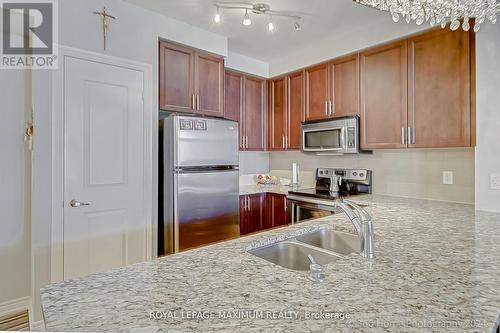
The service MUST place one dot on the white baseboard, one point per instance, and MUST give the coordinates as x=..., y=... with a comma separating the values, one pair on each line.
x=38, y=326
x=23, y=303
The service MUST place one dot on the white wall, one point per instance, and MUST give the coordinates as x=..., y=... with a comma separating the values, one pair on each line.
x=41, y=187
x=15, y=88
x=332, y=47
x=488, y=115
x=134, y=35
x=246, y=64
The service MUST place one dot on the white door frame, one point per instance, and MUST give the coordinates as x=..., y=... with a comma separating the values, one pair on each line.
x=150, y=132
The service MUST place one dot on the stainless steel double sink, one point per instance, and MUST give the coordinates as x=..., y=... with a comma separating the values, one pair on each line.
x=324, y=245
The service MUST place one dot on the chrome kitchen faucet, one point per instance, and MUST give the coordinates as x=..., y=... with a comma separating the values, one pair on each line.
x=363, y=224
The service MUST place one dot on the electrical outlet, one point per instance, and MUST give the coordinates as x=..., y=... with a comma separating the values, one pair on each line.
x=447, y=177
x=495, y=181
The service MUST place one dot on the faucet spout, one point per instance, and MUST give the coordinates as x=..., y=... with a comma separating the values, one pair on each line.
x=362, y=222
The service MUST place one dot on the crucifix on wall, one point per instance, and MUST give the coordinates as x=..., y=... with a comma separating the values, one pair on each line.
x=104, y=20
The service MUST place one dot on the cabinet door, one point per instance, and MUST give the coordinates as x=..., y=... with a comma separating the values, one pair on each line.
x=254, y=94
x=384, y=96
x=274, y=211
x=317, y=92
x=233, y=100
x=251, y=213
x=209, y=85
x=176, y=78
x=278, y=210
x=295, y=98
x=345, y=79
x=440, y=89
x=233, y=95
x=277, y=114
x=243, y=215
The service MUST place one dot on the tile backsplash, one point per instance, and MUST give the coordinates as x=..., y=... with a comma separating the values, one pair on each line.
x=254, y=162
x=416, y=173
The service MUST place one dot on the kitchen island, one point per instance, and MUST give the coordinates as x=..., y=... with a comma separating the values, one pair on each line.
x=437, y=269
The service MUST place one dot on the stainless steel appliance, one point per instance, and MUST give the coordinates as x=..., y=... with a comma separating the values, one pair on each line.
x=317, y=202
x=337, y=136
x=199, y=190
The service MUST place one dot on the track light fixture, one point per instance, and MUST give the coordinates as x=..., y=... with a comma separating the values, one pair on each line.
x=270, y=25
x=247, y=21
x=217, y=16
x=257, y=9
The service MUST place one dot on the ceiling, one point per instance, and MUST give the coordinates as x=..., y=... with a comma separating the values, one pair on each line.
x=320, y=19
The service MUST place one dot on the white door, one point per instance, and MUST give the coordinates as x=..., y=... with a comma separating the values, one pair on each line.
x=104, y=220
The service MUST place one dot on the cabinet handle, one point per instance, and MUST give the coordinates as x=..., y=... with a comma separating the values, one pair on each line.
x=193, y=103
x=330, y=106
x=283, y=142
x=413, y=135
x=403, y=136
x=197, y=102
x=408, y=132
x=246, y=141
x=326, y=108
x=286, y=142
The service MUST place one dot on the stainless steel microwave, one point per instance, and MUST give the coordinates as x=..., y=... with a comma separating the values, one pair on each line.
x=335, y=136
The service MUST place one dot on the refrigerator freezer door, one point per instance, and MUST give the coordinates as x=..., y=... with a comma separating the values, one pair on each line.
x=207, y=208
x=206, y=142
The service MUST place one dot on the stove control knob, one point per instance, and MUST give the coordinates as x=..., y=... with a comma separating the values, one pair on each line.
x=361, y=175
x=354, y=173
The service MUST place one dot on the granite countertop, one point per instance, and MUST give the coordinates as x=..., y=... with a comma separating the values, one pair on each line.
x=260, y=188
x=437, y=269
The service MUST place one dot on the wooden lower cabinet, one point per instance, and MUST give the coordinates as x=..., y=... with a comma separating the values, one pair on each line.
x=262, y=211
x=275, y=210
x=251, y=213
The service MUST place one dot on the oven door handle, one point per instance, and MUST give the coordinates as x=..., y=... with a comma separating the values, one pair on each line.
x=313, y=201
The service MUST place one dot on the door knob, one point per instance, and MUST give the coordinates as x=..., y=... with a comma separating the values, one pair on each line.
x=76, y=203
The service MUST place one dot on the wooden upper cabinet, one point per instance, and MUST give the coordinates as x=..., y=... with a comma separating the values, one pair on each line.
x=209, y=84
x=254, y=124
x=277, y=114
x=383, y=93
x=317, y=92
x=345, y=81
x=440, y=89
x=233, y=95
x=176, y=84
x=190, y=81
x=295, y=115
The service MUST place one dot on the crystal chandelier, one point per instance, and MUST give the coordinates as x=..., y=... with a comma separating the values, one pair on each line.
x=439, y=12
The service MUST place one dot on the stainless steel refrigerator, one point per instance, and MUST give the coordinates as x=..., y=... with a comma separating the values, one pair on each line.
x=199, y=182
